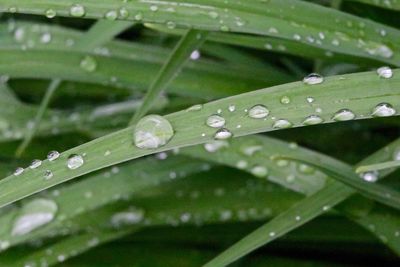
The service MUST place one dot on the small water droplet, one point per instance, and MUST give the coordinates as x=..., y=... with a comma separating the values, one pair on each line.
x=242, y=164
x=33, y=215
x=130, y=217
x=282, y=124
x=232, y=108
x=385, y=72
x=259, y=171
x=195, y=107
x=222, y=134
x=215, y=145
x=370, y=177
x=74, y=161
x=111, y=15
x=343, y=115
x=153, y=8
x=48, y=175
x=35, y=164
x=312, y=120
x=383, y=110
x=258, y=112
x=313, y=78
x=77, y=10
x=53, y=155
x=88, y=63
x=18, y=171
x=50, y=13
x=285, y=100
x=215, y=121
x=310, y=99
x=152, y=131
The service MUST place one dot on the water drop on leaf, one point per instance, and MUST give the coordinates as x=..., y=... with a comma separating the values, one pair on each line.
x=152, y=131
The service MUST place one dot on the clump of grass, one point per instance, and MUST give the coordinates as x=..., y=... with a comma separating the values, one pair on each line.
x=199, y=176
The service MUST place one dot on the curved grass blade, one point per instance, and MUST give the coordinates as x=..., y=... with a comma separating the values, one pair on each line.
x=304, y=211
x=378, y=166
x=364, y=38
x=332, y=96
x=191, y=41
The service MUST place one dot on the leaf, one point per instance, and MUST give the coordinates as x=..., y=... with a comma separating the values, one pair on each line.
x=378, y=166
x=393, y=5
x=362, y=39
x=332, y=95
x=191, y=41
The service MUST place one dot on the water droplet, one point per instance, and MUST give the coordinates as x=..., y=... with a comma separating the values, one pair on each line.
x=53, y=155
x=282, y=124
x=241, y=164
x=213, y=14
x=258, y=112
x=215, y=121
x=310, y=99
x=152, y=131
x=133, y=216
x=396, y=154
x=35, y=164
x=195, y=55
x=77, y=10
x=45, y=38
x=195, y=107
x=88, y=63
x=74, y=161
x=215, y=145
x=18, y=171
x=343, y=115
x=371, y=176
x=232, y=108
x=33, y=215
x=50, y=13
x=124, y=13
x=48, y=175
x=222, y=134
x=312, y=120
x=285, y=100
x=111, y=15
x=383, y=110
x=313, y=78
x=259, y=171
x=153, y=8
x=385, y=72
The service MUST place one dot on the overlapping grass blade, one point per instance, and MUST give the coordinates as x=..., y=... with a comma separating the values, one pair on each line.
x=363, y=38
x=378, y=166
x=191, y=41
x=332, y=96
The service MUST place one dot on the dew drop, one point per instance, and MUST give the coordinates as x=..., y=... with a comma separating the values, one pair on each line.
x=383, y=110
x=74, y=161
x=35, y=164
x=222, y=134
x=50, y=13
x=53, y=155
x=313, y=78
x=310, y=99
x=111, y=15
x=133, y=216
x=124, y=13
x=152, y=131
x=258, y=112
x=285, y=100
x=215, y=145
x=370, y=177
x=48, y=175
x=385, y=72
x=33, y=215
x=343, y=115
x=241, y=164
x=312, y=120
x=259, y=171
x=197, y=107
x=232, y=108
x=18, y=171
x=88, y=63
x=215, y=121
x=77, y=10
x=282, y=124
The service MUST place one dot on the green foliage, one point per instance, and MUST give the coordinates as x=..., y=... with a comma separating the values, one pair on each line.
x=200, y=183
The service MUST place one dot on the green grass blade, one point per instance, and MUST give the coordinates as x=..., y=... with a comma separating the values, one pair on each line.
x=332, y=95
x=255, y=17
x=378, y=166
x=191, y=41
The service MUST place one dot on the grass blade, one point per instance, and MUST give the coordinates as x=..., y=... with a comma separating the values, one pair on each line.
x=378, y=166
x=191, y=41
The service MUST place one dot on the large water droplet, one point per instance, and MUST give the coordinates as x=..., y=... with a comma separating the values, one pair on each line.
x=74, y=161
x=282, y=124
x=343, y=115
x=89, y=64
x=313, y=78
x=111, y=15
x=312, y=120
x=33, y=215
x=385, y=72
x=152, y=131
x=18, y=171
x=258, y=112
x=222, y=134
x=77, y=10
x=383, y=110
x=35, y=164
x=215, y=121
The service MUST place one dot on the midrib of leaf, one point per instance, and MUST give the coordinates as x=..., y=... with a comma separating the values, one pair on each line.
x=190, y=129
x=191, y=41
x=102, y=32
x=257, y=18
x=304, y=211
